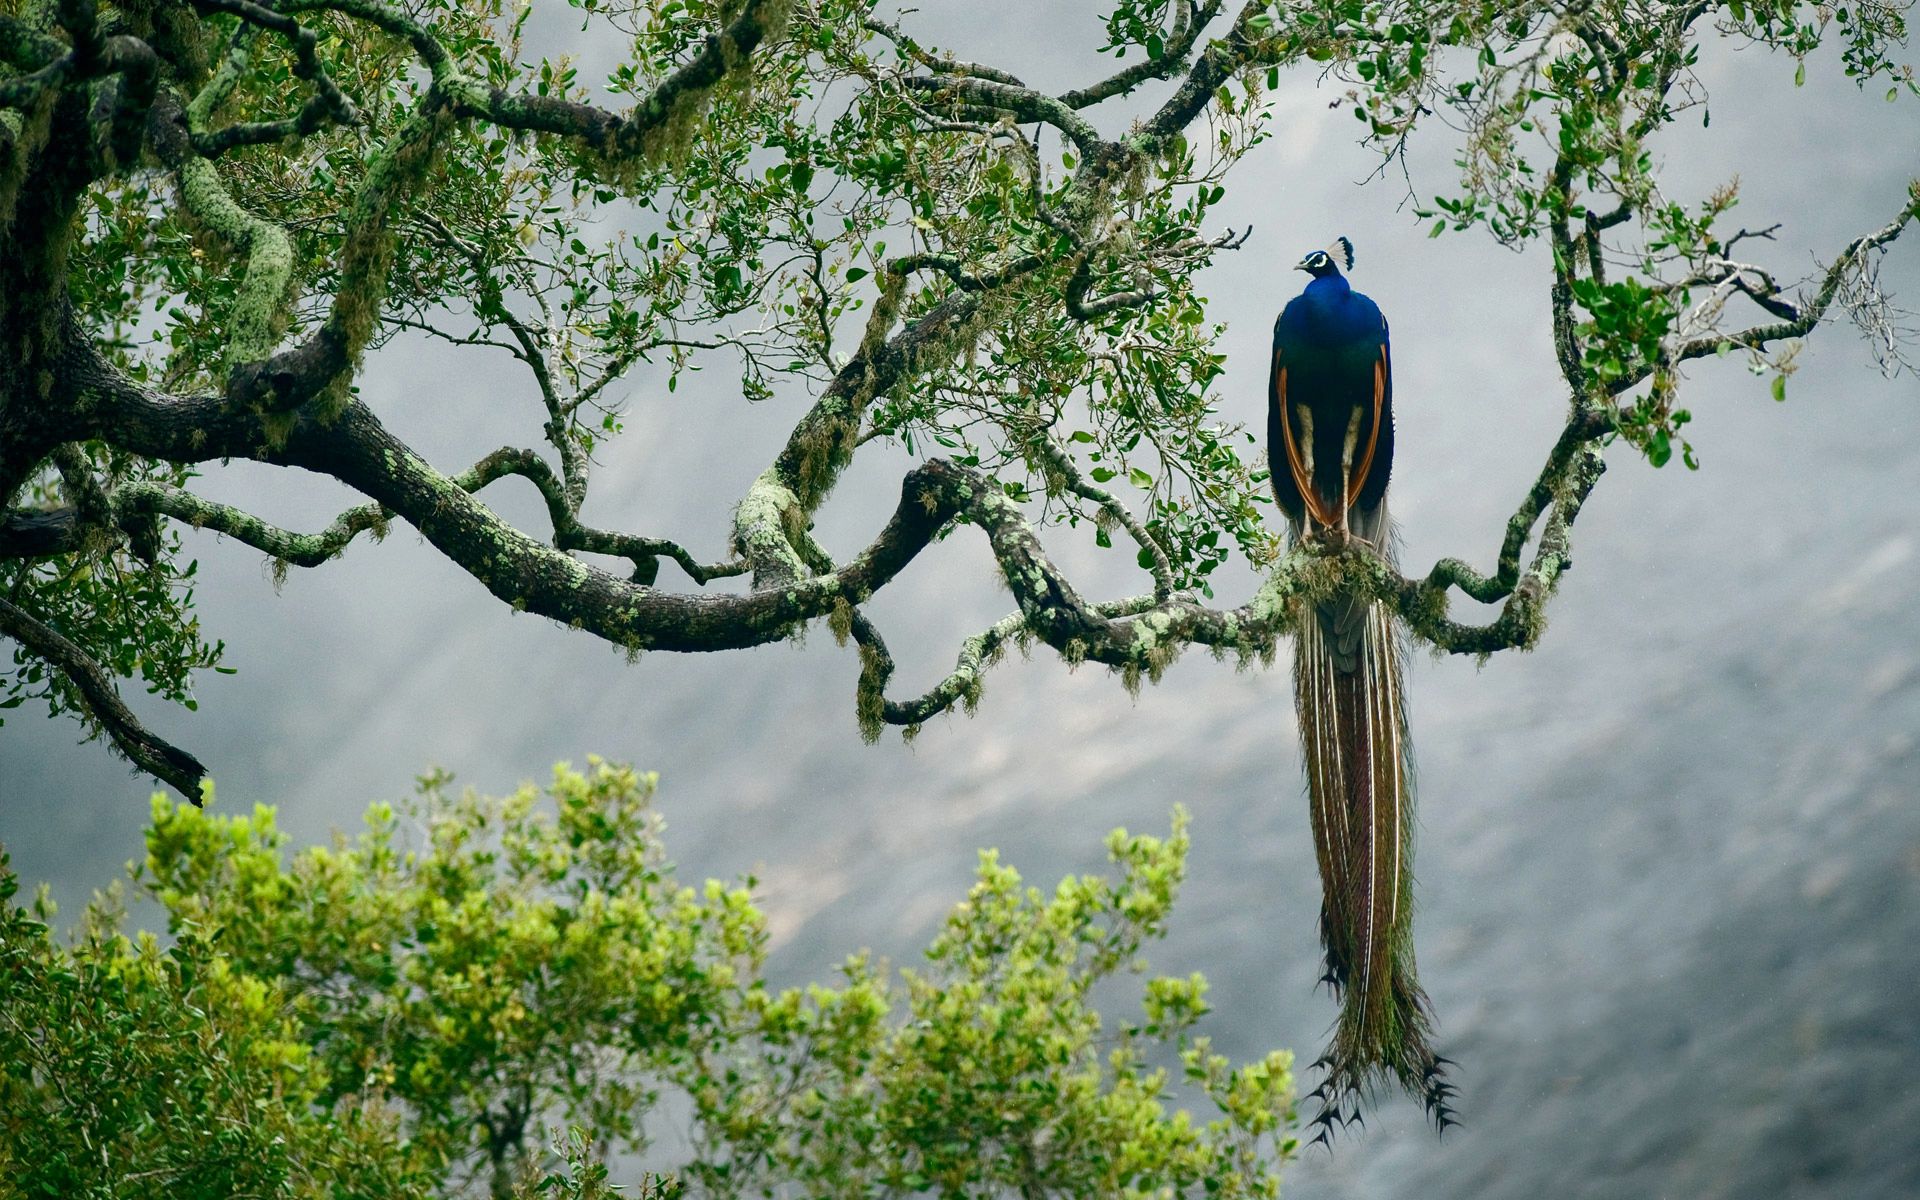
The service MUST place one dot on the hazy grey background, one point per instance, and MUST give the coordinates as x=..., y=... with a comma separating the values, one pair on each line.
x=1670, y=863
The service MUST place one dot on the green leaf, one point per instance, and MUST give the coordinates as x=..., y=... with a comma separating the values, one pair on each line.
x=1659, y=448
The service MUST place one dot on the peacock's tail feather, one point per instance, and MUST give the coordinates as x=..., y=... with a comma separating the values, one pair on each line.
x=1347, y=683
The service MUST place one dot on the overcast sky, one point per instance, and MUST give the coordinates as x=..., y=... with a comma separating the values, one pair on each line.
x=1669, y=862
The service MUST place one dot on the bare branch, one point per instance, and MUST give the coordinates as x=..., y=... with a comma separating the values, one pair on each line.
x=1810, y=312
x=939, y=64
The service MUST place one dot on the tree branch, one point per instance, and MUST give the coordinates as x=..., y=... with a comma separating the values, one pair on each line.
x=328, y=104
x=1583, y=430
x=293, y=549
x=939, y=64
x=1024, y=104
x=260, y=309
x=1810, y=312
x=639, y=135
x=144, y=749
x=1215, y=66
x=1189, y=21
x=40, y=533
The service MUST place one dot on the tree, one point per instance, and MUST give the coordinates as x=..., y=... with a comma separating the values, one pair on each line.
x=212, y=215
x=401, y=1015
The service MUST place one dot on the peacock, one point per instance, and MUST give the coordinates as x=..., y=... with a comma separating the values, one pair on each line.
x=1330, y=448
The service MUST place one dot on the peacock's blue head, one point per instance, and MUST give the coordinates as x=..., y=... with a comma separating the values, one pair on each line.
x=1322, y=263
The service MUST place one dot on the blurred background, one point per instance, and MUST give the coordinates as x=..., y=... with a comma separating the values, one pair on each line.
x=1669, y=863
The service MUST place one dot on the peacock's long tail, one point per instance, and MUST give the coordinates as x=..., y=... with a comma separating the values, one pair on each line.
x=1353, y=728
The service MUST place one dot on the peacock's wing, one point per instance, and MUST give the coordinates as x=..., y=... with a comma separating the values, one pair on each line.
x=1330, y=428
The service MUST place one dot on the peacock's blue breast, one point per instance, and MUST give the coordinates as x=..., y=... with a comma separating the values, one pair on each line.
x=1327, y=320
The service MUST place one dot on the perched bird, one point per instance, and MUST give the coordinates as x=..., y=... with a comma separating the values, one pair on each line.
x=1330, y=450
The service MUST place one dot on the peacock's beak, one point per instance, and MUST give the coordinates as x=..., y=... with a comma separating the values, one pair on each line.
x=1302, y=266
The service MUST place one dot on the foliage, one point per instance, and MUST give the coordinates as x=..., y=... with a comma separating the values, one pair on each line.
x=132, y=597
x=403, y=1012
x=127, y=1071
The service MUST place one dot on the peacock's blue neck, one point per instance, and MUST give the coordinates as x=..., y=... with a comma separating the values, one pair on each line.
x=1329, y=313
x=1329, y=289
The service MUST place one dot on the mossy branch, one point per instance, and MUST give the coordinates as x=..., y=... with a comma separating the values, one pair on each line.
x=260, y=310
x=287, y=548
x=328, y=104
x=1580, y=433
x=1024, y=104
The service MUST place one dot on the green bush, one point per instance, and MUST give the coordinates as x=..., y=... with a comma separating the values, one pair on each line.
x=442, y=1004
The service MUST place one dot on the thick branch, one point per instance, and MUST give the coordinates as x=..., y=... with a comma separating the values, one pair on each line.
x=40, y=533
x=356, y=449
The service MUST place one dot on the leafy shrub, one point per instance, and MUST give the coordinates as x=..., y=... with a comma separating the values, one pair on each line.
x=406, y=1012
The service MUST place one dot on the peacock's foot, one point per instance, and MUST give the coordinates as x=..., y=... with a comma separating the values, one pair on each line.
x=1336, y=538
